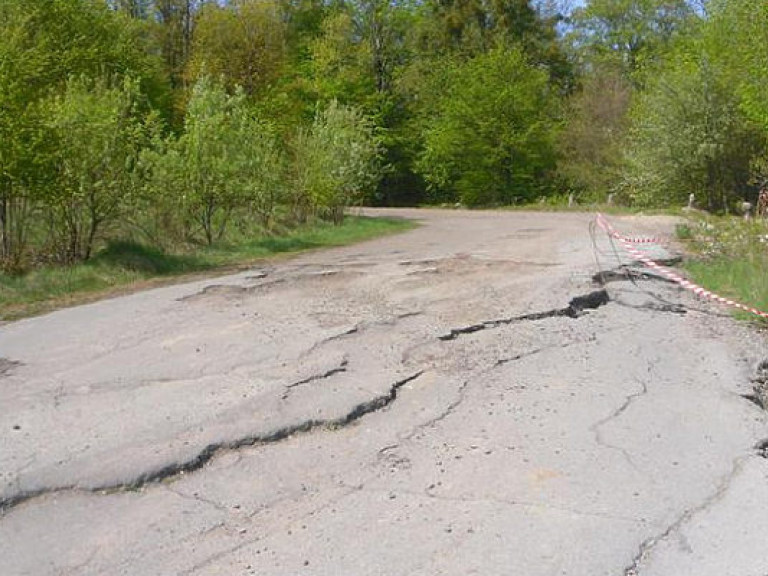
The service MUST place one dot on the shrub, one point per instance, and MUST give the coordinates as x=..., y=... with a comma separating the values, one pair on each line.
x=97, y=137
x=227, y=160
x=492, y=139
x=337, y=162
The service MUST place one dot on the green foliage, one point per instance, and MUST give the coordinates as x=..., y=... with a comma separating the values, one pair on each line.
x=689, y=135
x=475, y=27
x=629, y=32
x=591, y=144
x=96, y=136
x=491, y=140
x=243, y=42
x=340, y=61
x=336, y=159
x=42, y=44
x=336, y=162
x=260, y=165
x=48, y=42
x=226, y=160
x=738, y=30
x=207, y=171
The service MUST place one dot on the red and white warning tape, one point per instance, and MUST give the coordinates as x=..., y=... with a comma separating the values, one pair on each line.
x=643, y=240
x=626, y=243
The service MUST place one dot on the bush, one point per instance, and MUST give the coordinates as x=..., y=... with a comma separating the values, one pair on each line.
x=43, y=46
x=337, y=162
x=689, y=134
x=259, y=164
x=227, y=160
x=492, y=138
x=97, y=137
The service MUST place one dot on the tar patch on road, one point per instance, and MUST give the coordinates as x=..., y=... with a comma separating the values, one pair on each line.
x=8, y=366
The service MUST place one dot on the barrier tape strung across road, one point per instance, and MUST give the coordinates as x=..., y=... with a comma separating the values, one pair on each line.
x=626, y=243
x=643, y=240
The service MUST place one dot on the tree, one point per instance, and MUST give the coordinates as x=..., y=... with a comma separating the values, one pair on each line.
x=339, y=64
x=42, y=44
x=227, y=161
x=689, y=135
x=208, y=173
x=171, y=29
x=738, y=31
x=473, y=27
x=260, y=166
x=591, y=143
x=492, y=140
x=629, y=32
x=173, y=33
x=243, y=42
x=476, y=26
x=97, y=138
x=336, y=162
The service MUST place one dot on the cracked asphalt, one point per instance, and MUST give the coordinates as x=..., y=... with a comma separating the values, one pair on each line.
x=465, y=398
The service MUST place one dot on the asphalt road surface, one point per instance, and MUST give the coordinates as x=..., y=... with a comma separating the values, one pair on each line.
x=460, y=399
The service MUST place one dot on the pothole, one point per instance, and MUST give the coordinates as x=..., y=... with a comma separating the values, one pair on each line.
x=7, y=366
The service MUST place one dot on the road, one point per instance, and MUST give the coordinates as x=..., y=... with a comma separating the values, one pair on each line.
x=460, y=399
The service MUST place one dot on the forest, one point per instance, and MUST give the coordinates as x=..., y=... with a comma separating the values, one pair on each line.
x=183, y=122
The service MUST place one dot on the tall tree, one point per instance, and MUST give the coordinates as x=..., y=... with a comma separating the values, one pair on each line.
x=492, y=140
x=689, y=135
x=243, y=42
x=738, y=31
x=591, y=144
x=42, y=44
x=630, y=32
x=175, y=18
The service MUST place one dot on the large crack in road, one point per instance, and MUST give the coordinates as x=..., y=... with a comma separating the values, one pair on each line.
x=576, y=307
x=174, y=470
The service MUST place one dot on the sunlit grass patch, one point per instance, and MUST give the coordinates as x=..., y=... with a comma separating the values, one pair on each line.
x=730, y=258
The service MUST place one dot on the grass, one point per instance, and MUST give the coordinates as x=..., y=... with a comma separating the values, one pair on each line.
x=559, y=203
x=126, y=266
x=614, y=209
x=730, y=258
x=744, y=279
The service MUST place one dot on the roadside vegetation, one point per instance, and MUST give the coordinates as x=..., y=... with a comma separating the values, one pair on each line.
x=729, y=257
x=124, y=265
x=181, y=127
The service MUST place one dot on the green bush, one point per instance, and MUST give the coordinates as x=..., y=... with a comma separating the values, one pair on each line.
x=492, y=138
x=689, y=135
x=97, y=136
x=336, y=162
x=227, y=162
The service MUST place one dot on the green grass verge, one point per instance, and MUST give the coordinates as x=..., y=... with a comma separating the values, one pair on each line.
x=744, y=280
x=613, y=209
x=730, y=258
x=125, y=266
